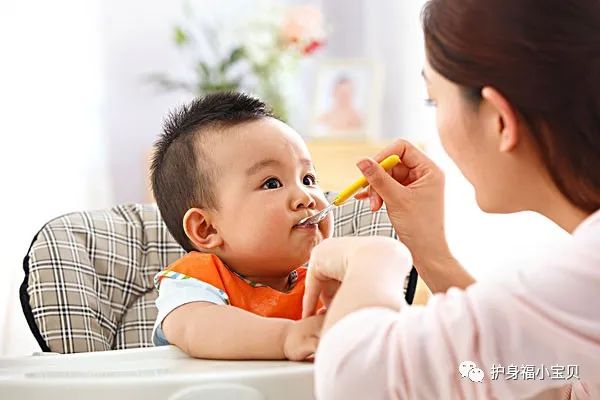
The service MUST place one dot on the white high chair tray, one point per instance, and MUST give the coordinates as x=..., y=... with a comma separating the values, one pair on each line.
x=151, y=373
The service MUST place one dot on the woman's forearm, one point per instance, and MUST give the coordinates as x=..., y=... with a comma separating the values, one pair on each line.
x=367, y=280
x=433, y=259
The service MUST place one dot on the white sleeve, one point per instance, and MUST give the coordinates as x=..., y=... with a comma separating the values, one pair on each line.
x=177, y=292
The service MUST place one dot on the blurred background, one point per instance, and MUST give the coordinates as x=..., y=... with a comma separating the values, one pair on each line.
x=84, y=86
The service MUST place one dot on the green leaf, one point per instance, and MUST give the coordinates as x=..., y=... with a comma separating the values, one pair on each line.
x=204, y=71
x=236, y=55
x=181, y=36
x=165, y=82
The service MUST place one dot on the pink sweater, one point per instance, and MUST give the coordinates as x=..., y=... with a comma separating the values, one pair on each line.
x=542, y=321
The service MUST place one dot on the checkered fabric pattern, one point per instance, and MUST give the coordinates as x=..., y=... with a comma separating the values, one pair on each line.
x=89, y=275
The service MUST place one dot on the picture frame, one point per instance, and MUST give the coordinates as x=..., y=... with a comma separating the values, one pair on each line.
x=347, y=100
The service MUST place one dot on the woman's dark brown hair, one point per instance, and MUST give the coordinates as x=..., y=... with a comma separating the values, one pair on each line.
x=544, y=57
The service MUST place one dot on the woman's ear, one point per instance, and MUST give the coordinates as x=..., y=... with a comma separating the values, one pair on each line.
x=200, y=231
x=507, y=122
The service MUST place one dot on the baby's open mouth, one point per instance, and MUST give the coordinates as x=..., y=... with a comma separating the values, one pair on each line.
x=305, y=226
x=302, y=224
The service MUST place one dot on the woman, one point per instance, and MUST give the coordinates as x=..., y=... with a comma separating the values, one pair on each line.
x=517, y=92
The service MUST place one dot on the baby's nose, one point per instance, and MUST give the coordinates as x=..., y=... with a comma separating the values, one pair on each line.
x=304, y=200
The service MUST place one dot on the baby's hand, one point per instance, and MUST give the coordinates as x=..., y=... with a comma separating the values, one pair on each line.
x=302, y=337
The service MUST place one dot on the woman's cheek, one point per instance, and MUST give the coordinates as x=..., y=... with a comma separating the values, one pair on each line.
x=446, y=133
x=441, y=127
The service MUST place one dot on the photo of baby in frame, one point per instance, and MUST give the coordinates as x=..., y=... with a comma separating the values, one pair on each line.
x=347, y=100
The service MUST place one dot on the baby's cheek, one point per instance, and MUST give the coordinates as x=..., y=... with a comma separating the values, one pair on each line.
x=272, y=222
x=255, y=224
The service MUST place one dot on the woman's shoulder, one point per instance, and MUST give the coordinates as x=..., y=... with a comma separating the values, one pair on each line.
x=587, y=234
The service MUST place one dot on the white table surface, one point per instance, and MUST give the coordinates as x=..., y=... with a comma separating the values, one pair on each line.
x=151, y=373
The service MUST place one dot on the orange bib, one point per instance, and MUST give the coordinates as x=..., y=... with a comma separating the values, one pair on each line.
x=261, y=300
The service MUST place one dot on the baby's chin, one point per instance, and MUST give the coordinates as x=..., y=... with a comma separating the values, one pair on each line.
x=293, y=257
x=300, y=257
x=281, y=256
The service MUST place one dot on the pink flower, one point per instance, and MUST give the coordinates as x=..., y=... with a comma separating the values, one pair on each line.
x=303, y=27
x=312, y=47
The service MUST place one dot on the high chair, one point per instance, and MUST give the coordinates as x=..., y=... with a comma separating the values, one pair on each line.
x=88, y=288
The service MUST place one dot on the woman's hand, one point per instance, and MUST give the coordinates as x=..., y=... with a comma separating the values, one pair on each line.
x=413, y=193
x=333, y=259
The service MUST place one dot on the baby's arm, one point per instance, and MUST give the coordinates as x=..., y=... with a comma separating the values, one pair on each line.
x=207, y=330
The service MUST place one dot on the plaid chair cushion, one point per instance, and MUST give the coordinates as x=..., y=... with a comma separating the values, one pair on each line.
x=89, y=275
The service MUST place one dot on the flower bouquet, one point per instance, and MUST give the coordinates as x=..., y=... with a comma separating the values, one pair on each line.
x=258, y=55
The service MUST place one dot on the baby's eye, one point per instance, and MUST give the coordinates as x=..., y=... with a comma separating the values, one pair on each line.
x=309, y=180
x=272, y=183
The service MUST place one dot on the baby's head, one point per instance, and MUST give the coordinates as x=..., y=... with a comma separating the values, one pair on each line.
x=232, y=180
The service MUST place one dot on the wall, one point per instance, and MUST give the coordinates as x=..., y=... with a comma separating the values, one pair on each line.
x=53, y=155
x=136, y=42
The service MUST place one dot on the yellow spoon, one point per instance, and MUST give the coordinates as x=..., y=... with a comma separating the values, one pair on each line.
x=348, y=192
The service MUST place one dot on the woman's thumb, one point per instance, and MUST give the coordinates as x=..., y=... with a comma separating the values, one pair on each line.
x=386, y=186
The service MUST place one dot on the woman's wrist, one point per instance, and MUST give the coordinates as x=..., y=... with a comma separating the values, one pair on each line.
x=440, y=270
x=431, y=252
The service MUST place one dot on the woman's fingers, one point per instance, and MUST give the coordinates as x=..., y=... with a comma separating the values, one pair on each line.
x=410, y=156
x=385, y=185
x=362, y=195
x=376, y=202
x=323, y=289
x=326, y=269
x=400, y=173
x=312, y=291
x=391, y=186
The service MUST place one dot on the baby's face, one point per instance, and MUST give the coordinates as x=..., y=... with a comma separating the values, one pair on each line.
x=266, y=184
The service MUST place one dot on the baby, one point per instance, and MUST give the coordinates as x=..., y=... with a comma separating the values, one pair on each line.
x=232, y=182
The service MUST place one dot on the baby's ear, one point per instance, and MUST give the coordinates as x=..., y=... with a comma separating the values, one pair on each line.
x=200, y=231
